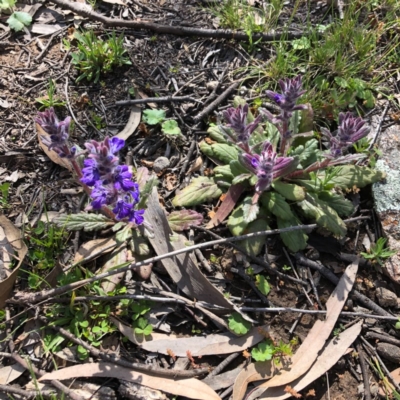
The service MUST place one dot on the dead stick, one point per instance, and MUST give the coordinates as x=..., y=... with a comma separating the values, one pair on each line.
x=34, y=298
x=364, y=370
x=86, y=11
x=165, y=99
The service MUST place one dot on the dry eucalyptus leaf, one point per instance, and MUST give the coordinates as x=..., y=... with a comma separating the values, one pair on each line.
x=94, y=248
x=14, y=238
x=332, y=352
x=318, y=335
x=10, y=373
x=191, y=388
x=224, y=343
x=253, y=372
x=134, y=119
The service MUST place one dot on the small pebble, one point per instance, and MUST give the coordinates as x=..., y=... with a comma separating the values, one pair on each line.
x=160, y=164
x=211, y=85
x=389, y=351
x=385, y=297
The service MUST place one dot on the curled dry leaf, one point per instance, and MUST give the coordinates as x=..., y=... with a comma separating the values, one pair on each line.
x=14, y=238
x=251, y=373
x=182, y=268
x=50, y=153
x=330, y=355
x=94, y=248
x=134, y=117
x=191, y=388
x=224, y=343
x=318, y=335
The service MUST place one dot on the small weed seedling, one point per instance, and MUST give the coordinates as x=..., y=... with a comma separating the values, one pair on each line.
x=267, y=350
x=169, y=127
x=238, y=324
x=97, y=56
x=379, y=253
x=18, y=19
x=50, y=100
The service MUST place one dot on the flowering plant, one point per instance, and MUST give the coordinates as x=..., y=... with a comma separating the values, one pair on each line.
x=276, y=171
x=108, y=183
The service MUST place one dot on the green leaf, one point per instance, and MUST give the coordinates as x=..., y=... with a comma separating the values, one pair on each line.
x=171, y=127
x=241, y=178
x=263, y=285
x=289, y=191
x=225, y=152
x=151, y=182
x=124, y=234
x=5, y=4
x=336, y=201
x=236, y=222
x=238, y=324
x=183, y=219
x=87, y=222
x=200, y=190
x=250, y=210
x=276, y=203
x=295, y=240
x=223, y=172
x=153, y=117
x=263, y=352
x=18, y=20
x=341, y=82
x=301, y=44
x=354, y=175
x=295, y=122
x=215, y=134
x=254, y=245
x=308, y=153
x=325, y=216
x=307, y=120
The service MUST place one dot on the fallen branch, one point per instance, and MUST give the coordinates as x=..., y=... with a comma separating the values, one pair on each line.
x=85, y=10
x=164, y=99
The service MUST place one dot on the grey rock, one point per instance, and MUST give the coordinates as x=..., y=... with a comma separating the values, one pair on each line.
x=212, y=85
x=389, y=351
x=385, y=297
x=160, y=164
x=387, y=193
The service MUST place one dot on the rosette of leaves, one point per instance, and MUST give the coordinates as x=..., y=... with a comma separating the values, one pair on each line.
x=298, y=198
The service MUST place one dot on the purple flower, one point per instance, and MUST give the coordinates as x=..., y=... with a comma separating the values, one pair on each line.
x=136, y=216
x=90, y=173
x=122, y=209
x=58, y=132
x=102, y=195
x=267, y=166
x=237, y=121
x=291, y=91
x=123, y=178
x=350, y=130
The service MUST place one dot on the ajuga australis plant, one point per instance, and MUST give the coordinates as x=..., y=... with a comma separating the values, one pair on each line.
x=277, y=172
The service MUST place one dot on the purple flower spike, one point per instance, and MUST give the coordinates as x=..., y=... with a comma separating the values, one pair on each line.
x=136, y=216
x=122, y=209
x=267, y=166
x=237, y=121
x=350, y=130
x=58, y=132
x=291, y=91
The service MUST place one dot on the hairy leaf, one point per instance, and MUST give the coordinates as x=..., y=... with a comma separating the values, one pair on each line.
x=236, y=222
x=223, y=172
x=254, y=245
x=183, y=219
x=222, y=152
x=295, y=122
x=250, y=210
x=276, y=203
x=124, y=234
x=87, y=222
x=215, y=134
x=341, y=205
x=5, y=4
x=151, y=182
x=200, y=190
x=295, y=240
x=324, y=216
x=289, y=191
x=354, y=175
x=308, y=153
